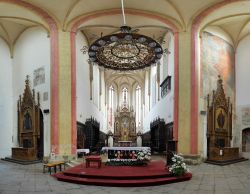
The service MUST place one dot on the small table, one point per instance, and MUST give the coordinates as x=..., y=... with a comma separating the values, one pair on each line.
x=90, y=159
x=53, y=165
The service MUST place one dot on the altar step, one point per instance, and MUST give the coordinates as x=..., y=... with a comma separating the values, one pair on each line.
x=23, y=162
x=122, y=183
x=115, y=177
x=226, y=162
x=154, y=173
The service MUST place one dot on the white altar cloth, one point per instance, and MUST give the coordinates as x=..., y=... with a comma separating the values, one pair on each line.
x=125, y=148
x=85, y=151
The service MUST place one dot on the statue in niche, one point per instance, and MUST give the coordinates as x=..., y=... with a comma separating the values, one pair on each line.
x=116, y=127
x=133, y=126
x=27, y=123
x=125, y=122
x=221, y=119
x=125, y=129
x=125, y=134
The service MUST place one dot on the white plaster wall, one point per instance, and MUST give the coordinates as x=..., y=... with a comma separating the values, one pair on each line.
x=242, y=60
x=6, y=101
x=32, y=51
x=85, y=107
x=242, y=64
x=82, y=81
x=164, y=107
x=165, y=57
x=103, y=107
x=154, y=85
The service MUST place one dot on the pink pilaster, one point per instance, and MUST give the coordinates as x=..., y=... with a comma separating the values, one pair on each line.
x=176, y=84
x=73, y=92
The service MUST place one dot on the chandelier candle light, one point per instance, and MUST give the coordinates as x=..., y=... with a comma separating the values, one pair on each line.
x=125, y=50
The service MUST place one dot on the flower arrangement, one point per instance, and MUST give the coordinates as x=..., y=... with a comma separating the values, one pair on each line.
x=144, y=155
x=178, y=167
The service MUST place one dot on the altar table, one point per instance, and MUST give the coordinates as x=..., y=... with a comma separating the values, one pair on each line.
x=123, y=153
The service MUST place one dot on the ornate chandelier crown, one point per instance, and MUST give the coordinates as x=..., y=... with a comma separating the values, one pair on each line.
x=125, y=50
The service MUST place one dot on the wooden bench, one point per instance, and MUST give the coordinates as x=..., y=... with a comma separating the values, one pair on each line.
x=53, y=165
x=96, y=159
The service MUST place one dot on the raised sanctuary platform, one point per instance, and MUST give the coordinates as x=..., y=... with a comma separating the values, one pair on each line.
x=154, y=173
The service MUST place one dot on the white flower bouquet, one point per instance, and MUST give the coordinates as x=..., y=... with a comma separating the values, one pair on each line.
x=144, y=155
x=178, y=167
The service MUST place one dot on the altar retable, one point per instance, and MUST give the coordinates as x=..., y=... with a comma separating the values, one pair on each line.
x=124, y=127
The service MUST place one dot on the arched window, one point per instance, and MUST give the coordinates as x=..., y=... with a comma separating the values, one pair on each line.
x=138, y=106
x=111, y=105
x=125, y=95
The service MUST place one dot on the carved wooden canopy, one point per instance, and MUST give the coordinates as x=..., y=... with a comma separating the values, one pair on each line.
x=219, y=118
x=28, y=117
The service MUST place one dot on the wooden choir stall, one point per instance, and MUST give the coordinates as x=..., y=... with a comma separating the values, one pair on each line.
x=219, y=128
x=29, y=127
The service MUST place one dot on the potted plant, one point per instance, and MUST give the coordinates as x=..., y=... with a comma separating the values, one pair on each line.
x=178, y=167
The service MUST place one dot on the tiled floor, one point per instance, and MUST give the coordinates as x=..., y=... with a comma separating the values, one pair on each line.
x=207, y=179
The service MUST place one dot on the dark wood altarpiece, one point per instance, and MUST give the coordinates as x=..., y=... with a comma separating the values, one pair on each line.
x=28, y=112
x=219, y=127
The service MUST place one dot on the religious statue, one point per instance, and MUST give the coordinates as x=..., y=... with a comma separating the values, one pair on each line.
x=221, y=119
x=27, y=123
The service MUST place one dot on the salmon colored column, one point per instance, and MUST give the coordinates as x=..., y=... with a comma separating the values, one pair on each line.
x=64, y=88
x=184, y=139
x=73, y=93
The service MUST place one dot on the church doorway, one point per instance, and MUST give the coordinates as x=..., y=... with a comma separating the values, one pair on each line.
x=40, y=139
x=246, y=140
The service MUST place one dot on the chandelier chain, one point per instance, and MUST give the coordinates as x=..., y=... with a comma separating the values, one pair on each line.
x=123, y=14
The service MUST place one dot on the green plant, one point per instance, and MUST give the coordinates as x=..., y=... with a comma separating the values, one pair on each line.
x=178, y=167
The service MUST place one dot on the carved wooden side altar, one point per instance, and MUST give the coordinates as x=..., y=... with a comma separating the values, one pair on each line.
x=28, y=112
x=124, y=127
x=219, y=127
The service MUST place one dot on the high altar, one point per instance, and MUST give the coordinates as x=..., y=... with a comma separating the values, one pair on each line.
x=124, y=127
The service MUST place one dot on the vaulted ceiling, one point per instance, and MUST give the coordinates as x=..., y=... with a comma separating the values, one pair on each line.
x=131, y=78
x=231, y=18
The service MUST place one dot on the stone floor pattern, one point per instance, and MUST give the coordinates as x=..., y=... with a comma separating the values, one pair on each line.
x=207, y=179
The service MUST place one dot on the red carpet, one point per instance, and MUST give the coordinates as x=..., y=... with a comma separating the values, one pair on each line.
x=152, y=174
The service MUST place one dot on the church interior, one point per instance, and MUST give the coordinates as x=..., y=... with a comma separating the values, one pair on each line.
x=170, y=75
